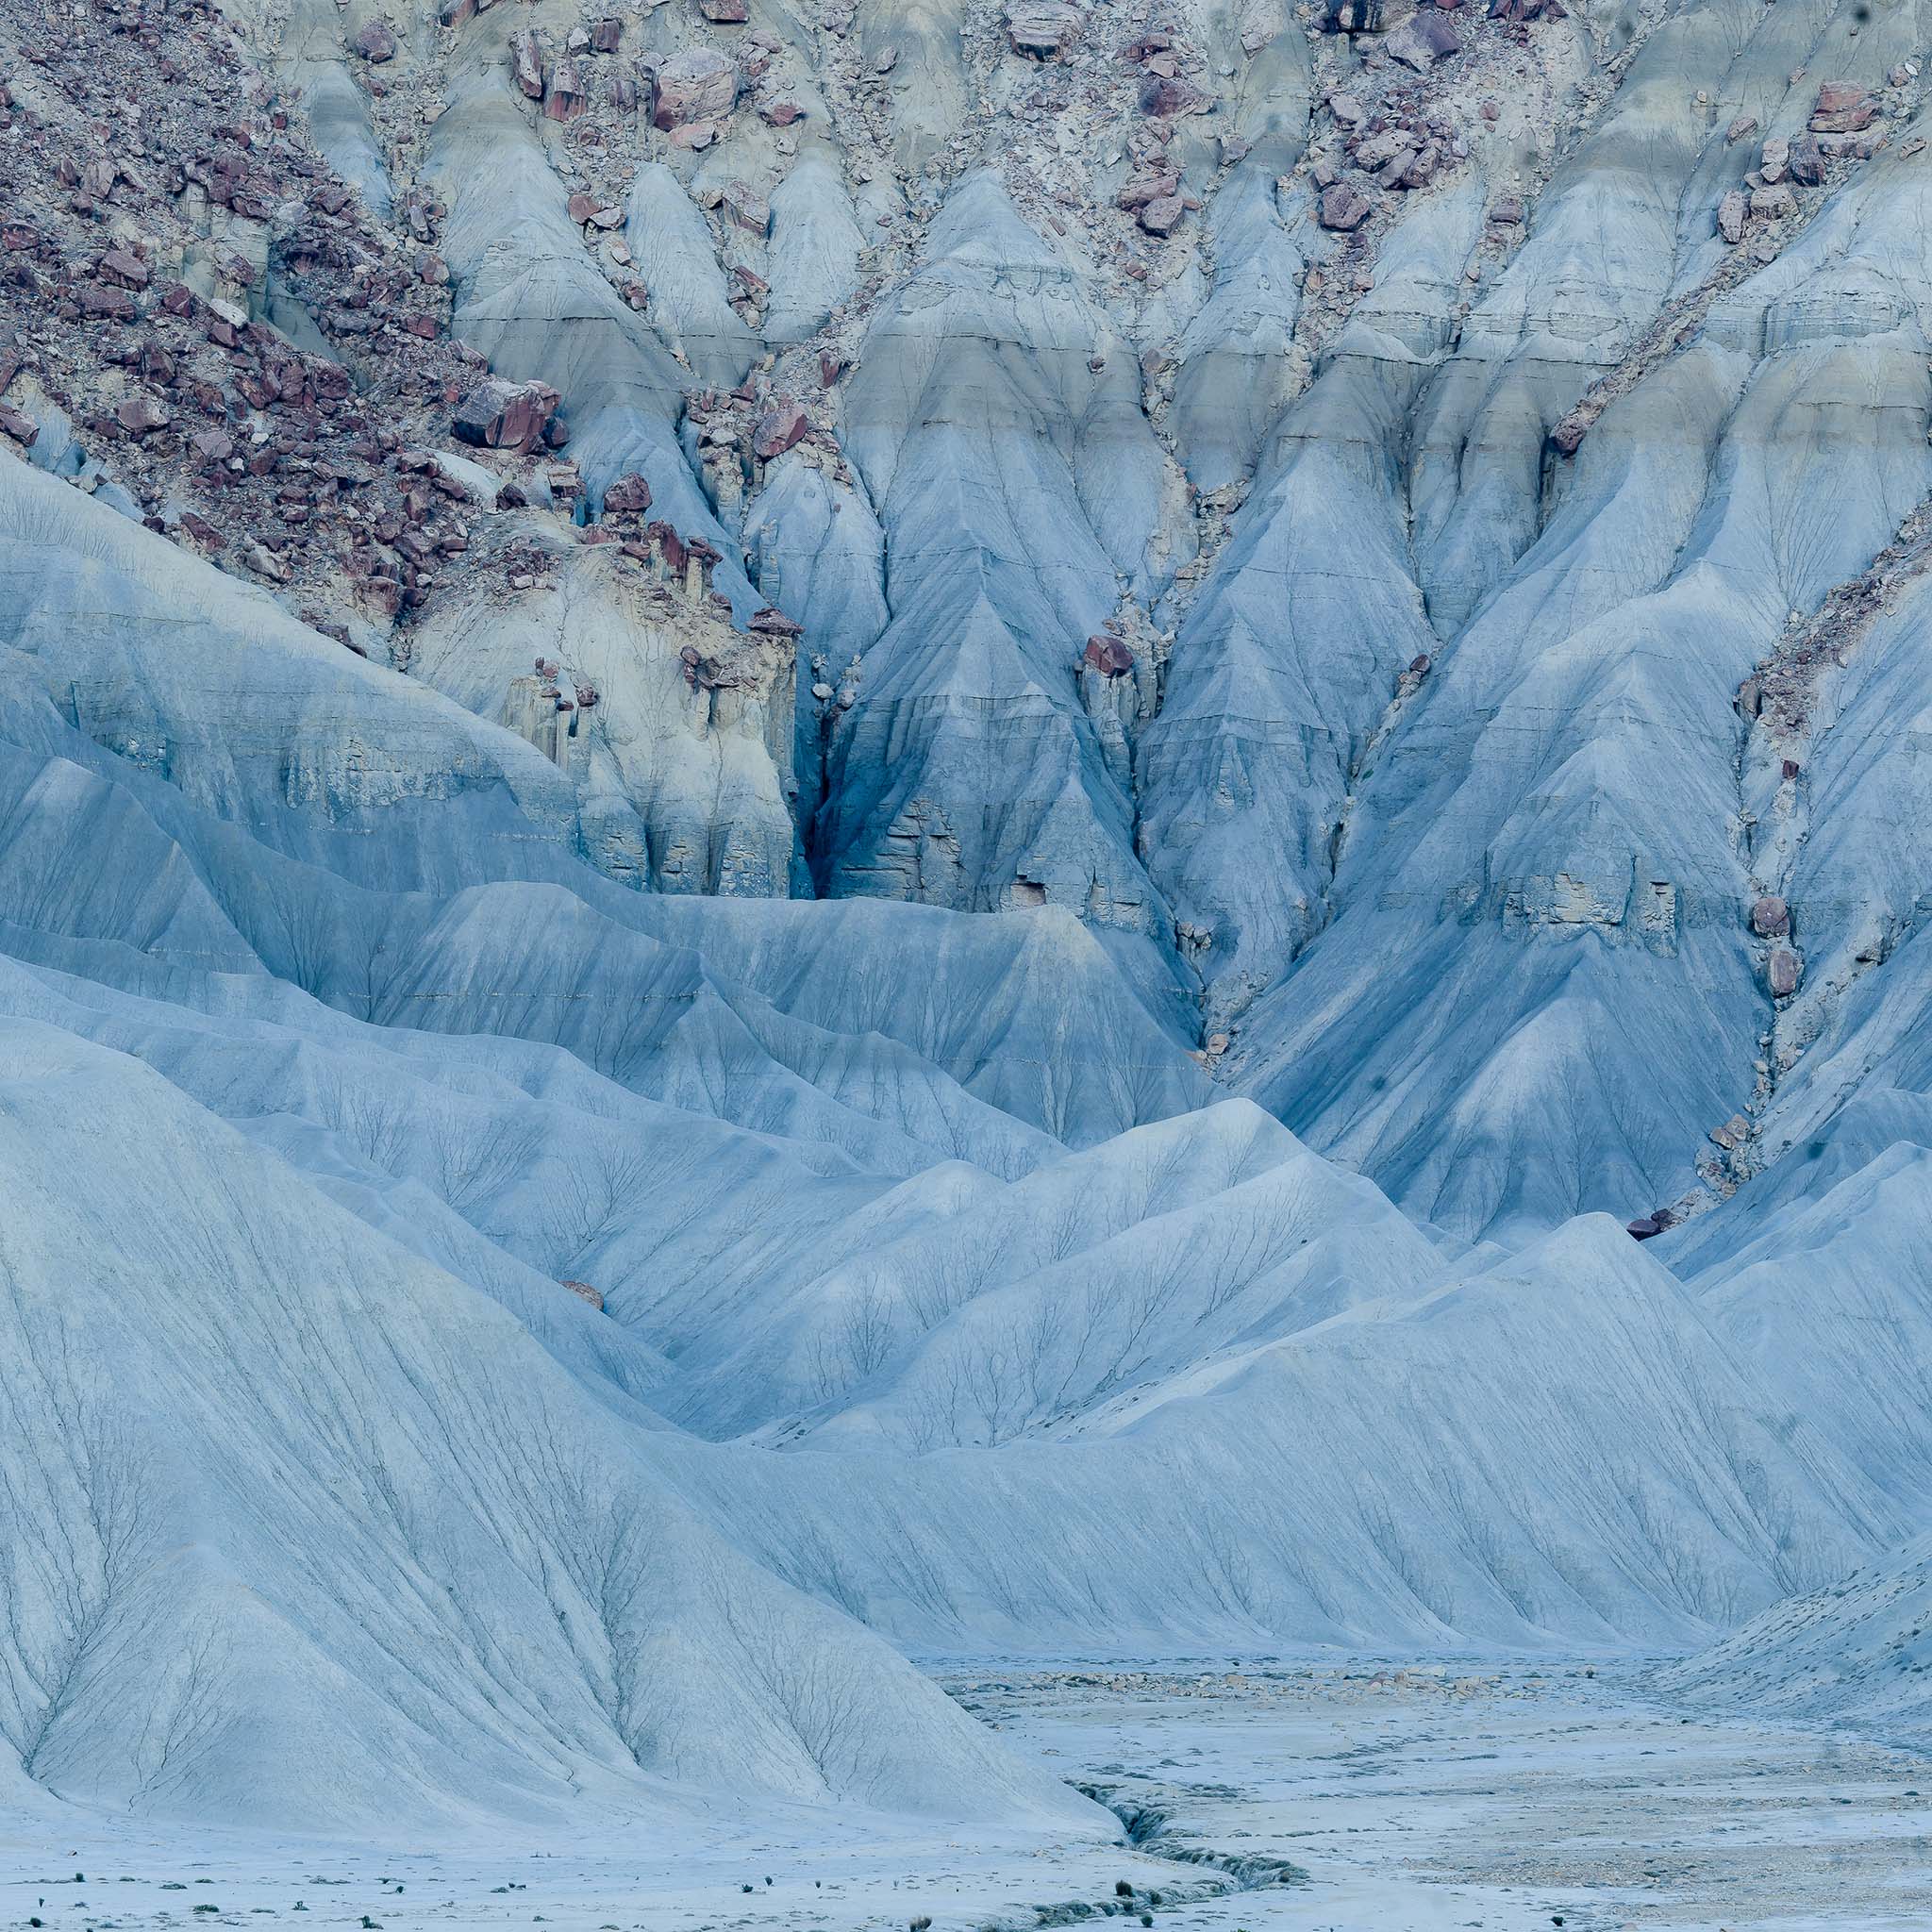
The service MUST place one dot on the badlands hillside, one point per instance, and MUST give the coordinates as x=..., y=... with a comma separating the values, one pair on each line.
x=872, y=829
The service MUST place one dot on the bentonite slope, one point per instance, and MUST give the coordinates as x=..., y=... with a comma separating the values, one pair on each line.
x=937, y=818
x=1855, y=1651
x=1303, y=502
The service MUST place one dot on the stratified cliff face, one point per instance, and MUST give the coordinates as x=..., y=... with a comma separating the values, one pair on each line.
x=1059, y=752
x=1376, y=510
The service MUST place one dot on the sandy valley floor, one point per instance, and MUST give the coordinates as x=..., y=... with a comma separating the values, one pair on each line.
x=1413, y=1800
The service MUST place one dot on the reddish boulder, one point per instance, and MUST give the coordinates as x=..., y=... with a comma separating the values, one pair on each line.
x=1842, y=108
x=505, y=415
x=1342, y=208
x=1771, y=918
x=630, y=496
x=124, y=268
x=1567, y=436
x=570, y=92
x=1146, y=184
x=140, y=414
x=1808, y=162
x=779, y=429
x=698, y=86
x=1040, y=29
x=1162, y=215
x=526, y=63
x=375, y=44
x=747, y=209
x=770, y=623
x=107, y=304
x=1107, y=655
x=1162, y=98
x=1418, y=168
x=725, y=13
x=669, y=545
x=1426, y=39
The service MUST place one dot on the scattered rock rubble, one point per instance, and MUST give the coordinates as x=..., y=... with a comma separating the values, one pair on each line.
x=132, y=286
x=162, y=195
x=1778, y=703
x=1123, y=195
x=1759, y=220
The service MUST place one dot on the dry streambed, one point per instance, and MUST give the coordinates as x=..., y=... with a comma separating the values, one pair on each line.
x=1555, y=1795
x=1357, y=1798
